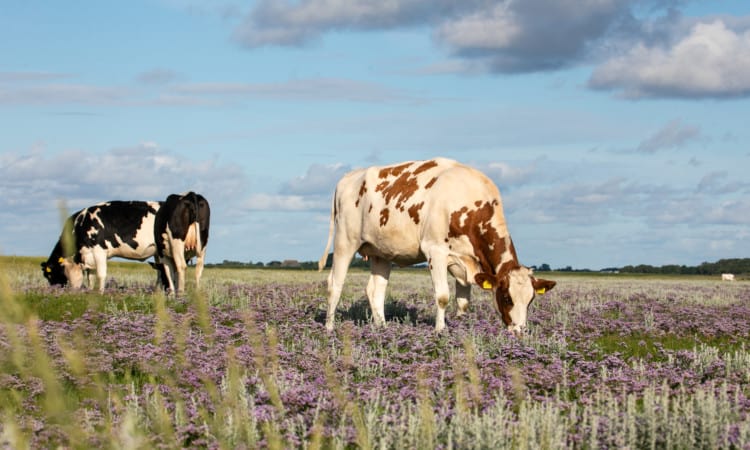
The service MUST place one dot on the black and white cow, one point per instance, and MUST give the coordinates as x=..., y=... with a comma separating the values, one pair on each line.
x=181, y=232
x=93, y=235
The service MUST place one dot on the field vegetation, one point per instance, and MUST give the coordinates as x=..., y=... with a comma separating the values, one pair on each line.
x=245, y=362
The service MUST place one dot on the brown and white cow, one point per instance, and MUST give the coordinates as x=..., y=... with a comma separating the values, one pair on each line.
x=181, y=232
x=438, y=211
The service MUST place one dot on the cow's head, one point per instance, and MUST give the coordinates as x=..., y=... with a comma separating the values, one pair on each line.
x=54, y=271
x=62, y=272
x=514, y=292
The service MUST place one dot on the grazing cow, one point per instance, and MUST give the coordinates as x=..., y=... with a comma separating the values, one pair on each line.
x=181, y=232
x=438, y=211
x=93, y=235
x=727, y=277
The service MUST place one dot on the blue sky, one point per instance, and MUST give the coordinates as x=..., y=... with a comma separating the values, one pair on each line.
x=616, y=130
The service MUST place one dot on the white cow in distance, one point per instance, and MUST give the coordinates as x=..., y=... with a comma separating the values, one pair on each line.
x=727, y=277
x=439, y=211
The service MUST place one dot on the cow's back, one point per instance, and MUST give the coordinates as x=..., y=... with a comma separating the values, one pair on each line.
x=123, y=228
x=395, y=208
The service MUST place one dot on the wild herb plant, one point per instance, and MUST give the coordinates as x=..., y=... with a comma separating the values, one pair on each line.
x=246, y=362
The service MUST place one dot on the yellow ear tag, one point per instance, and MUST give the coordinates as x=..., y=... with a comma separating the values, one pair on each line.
x=541, y=291
x=61, y=260
x=486, y=285
x=48, y=269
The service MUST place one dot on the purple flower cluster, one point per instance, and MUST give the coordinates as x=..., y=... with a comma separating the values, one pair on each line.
x=295, y=377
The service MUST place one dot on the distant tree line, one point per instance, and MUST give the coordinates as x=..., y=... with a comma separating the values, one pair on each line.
x=735, y=266
x=286, y=264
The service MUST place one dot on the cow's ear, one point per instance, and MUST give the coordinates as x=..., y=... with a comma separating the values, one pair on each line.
x=541, y=286
x=485, y=281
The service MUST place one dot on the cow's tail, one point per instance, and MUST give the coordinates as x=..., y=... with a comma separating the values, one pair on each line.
x=324, y=258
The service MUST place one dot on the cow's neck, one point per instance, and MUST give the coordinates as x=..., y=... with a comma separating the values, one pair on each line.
x=508, y=258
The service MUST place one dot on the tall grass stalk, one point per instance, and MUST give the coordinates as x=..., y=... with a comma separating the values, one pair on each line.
x=247, y=363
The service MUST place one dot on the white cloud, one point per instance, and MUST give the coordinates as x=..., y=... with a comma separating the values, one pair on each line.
x=673, y=135
x=657, y=51
x=500, y=35
x=35, y=181
x=508, y=176
x=317, y=89
x=489, y=30
x=62, y=94
x=158, y=76
x=531, y=35
x=712, y=61
x=720, y=183
x=280, y=202
x=16, y=77
x=279, y=22
x=165, y=91
x=643, y=209
x=34, y=184
x=319, y=179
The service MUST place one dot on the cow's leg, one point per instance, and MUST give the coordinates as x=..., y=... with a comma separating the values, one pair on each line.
x=463, y=296
x=180, y=265
x=169, y=273
x=342, y=256
x=380, y=270
x=100, y=262
x=199, y=260
x=438, y=262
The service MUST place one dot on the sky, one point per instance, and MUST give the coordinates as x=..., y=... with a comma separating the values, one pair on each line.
x=616, y=130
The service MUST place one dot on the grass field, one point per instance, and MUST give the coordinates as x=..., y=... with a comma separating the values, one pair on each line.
x=246, y=362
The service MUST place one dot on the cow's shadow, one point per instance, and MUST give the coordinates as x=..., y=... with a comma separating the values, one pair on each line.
x=359, y=312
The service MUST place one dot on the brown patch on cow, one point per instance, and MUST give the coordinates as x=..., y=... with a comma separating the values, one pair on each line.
x=478, y=203
x=401, y=189
x=414, y=212
x=384, y=213
x=507, y=266
x=362, y=190
x=432, y=181
x=392, y=171
x=476, y=224
x=504, y=301
x=369, y=209
x=427, y=165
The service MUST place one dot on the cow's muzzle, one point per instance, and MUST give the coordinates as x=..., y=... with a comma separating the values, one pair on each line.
x=517, y=330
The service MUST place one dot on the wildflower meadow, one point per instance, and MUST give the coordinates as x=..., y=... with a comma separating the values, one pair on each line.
x=245, y=362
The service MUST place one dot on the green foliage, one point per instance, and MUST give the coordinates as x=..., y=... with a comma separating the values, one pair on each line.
x=734, y=265
x=245, y=362
x=648, y=346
